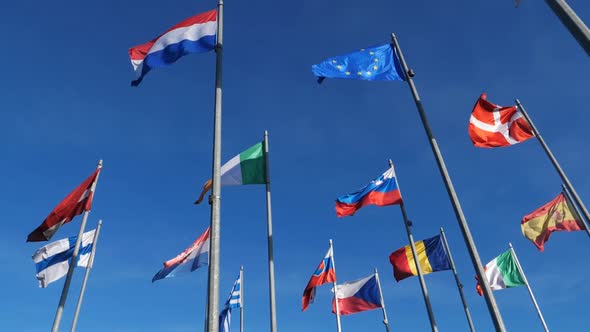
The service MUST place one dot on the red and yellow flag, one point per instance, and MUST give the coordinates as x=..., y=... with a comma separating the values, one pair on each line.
x=552, y=217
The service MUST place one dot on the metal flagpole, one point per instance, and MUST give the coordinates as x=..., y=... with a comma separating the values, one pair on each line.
x=408, y=224
x=564, y=178
x=459, y=284
x=271, y=264
x=490, y=300
x=385, y=320
x=338, y=325
x=568, y=197
x=572, y=22
x=526, y=282
x=215, y=229
x=64, y=292
x=88, y=267
x=242, y=298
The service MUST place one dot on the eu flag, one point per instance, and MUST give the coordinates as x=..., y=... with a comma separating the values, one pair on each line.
x=377, y=63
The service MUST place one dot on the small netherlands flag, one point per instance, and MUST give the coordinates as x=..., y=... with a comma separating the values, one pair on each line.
x=194, y=35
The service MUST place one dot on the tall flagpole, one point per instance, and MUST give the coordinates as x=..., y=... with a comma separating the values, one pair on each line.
x=385, y=320
x=568, y=197
x=572, y=22
x=459, y=284
x=242, y=298
x=271, y=263
x=487, y=292
x=88, y=267
x=526, y=282
x=408, y=224
x=64, y=292
x=213, y=291
x=560, y=171
x=338, y=325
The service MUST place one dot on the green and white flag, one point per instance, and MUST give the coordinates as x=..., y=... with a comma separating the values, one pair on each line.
x=246, y=168
x=502, y=273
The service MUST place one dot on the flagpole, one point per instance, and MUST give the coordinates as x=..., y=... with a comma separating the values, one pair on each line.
x=213, y=287
x=560, y=171
x=242, y=298
x=385, y=320
x=338, y=325
x=572, y=22
x=568, y=197
x=490, y=300
x=88, y=267
x=408, y=224
x=526, y=282
x=271, y=264
x=459, y=284
x=74, y=260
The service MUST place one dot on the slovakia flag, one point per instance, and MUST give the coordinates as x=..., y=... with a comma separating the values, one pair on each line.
x=357, y=296
x=192, y=258
x=322, y=275
x=381, y=192
x=194, y=35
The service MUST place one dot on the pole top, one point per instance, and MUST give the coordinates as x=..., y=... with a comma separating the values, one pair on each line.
x=99, y=222
x=442, y=230
x=510, y=245
x=100, y=163
x=393, y=36
x=517, y=101
x=265, y=132
x=241, y=267
x=330, y=242
x=390, y=162
x=375, y=270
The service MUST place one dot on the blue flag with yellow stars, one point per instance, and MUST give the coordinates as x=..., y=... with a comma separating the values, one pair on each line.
x=378, y=63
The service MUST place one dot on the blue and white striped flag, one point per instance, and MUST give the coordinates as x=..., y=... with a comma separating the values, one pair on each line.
x=234, y=301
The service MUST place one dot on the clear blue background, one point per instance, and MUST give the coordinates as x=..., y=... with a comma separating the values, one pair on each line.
x=66, y=103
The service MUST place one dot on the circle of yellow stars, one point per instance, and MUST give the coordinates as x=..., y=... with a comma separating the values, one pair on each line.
x=358, y=73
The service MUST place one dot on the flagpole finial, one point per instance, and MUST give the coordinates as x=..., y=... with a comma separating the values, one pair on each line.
x=390, y=162
x=510, y=245
x=442, y=230
x=393, y=36
x=99, y=222
x=100, y=163
x=375, y=270
x=330, y=242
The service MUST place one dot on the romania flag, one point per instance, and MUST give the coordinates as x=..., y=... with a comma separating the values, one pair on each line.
x=431, y=256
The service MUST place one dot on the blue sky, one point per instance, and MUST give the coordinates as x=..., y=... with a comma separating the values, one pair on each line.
x=67, y=102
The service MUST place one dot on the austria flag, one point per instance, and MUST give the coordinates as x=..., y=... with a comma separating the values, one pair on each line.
x=75, y=203
x=357, y=296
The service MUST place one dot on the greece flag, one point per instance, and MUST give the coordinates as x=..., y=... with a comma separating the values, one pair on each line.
x=53, y=260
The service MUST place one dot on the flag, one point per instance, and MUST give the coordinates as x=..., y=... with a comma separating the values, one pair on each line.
x=75, y=203
x=194, y=35
x=382, y=191
x=53, y=260
x=322, y=275
x=431, y=256
x=492, y=126
x=234, y=301
x=246, y=168
x=378, y=63
x=554, y=216
x=502, y=273
x=357, y=296
x=194, y=257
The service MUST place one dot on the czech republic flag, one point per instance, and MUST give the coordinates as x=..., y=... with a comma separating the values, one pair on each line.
x=357, y=296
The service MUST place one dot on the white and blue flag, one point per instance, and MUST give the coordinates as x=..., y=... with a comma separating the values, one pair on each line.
x=53, y=260
x=234, y=301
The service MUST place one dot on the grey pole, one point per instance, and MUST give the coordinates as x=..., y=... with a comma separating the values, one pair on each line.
x=459, y=284
x=490, y=300
x=408, y=224
x=526, y=282
x=64, y=292
x=88, y=267
x=213, y=291
x=338, y=325
x=568, y=197
x=564, y=178
x=241, y=298
x=572, y=22
x=271, y=264
x=385, y=320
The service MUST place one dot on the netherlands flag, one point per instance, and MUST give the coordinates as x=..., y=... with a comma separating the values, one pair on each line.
x=192, y=258
x=381, y=191
x=194, y=35
x=357, y=296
